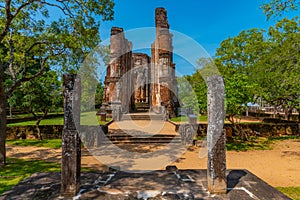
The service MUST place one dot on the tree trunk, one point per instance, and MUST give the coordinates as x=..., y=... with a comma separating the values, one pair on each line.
x=10, y=111
x=38, y=129
x=275, y=112
x=39, y=119
x=290, y=114
x=2, y=118
x=286, y=114
x=298, y=121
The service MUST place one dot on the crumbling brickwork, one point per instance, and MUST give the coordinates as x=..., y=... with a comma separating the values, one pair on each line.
x=135, y=77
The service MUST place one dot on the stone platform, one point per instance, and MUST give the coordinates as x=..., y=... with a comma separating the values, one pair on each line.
x=170, y=184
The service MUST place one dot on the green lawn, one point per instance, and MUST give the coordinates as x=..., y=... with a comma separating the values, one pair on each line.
x=26, y=115
x=254, y=143
x=201, y=118
x=49, y=143
x=292, y=192
x=88, y=118
x=18, y=169
x=52, y=121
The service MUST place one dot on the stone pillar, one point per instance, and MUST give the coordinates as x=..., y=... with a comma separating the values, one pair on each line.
x=71, y=152
x=116, y=110
x=162, y=72
x=216, y=136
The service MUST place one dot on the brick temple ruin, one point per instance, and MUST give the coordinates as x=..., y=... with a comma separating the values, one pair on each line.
x=135, y=80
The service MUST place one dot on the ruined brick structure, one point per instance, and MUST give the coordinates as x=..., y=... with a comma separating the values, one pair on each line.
x=134, y=78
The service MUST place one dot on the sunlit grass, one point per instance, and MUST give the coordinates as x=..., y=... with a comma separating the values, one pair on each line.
x=52, y=121
x=200, y=118
x=254, y=143
x=87, y=118
x=48, y=143
x=292, y=192
x=17, y=170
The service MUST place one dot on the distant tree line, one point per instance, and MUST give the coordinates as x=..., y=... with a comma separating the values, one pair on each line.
x=256, y=64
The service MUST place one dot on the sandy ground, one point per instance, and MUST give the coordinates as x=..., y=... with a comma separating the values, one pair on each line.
x=278, y=167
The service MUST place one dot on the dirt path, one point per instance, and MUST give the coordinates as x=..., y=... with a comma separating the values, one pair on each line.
x=278, y=167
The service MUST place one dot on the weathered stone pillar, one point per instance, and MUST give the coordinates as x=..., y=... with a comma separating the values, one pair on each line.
x=216, y=136
x=116, y=110
x=71, y=152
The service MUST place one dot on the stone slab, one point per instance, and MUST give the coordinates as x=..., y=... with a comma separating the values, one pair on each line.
x=162, y=184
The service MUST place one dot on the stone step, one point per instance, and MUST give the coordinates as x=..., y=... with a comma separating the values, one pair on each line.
x=142, y=117
x=142, y=142
x=129, y=139
x=121, y=135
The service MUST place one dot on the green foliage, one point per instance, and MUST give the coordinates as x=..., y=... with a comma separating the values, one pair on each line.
x=275, y=8
x=40, y=95
x=192, y=92
x=292, y=192
x=31, y=41
x=186, y=94
x=257, y=66
x=277, y=70
x=17, y=170
x=48, y=143
x=236, y=58
x=238, y=91
x=99, y=95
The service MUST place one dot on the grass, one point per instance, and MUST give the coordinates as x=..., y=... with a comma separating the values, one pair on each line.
x=200, y=118
x=49, y=143
x=285, y=137
x=52, y=121
x=292, y=192
x=19, y=169
x=26, y=115
x=88, y=118
x=254, y=143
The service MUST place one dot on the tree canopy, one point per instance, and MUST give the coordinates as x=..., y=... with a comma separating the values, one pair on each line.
x=35, y=35
x=275, y=8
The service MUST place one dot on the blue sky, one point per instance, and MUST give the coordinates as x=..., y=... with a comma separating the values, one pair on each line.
x=208, y=22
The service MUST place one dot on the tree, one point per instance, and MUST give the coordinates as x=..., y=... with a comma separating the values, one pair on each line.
x=30, y=41
x=277, y=71
x=186, y=94
x=99, y=95
x=276, y=8
x=236, y=58
x=41, y=95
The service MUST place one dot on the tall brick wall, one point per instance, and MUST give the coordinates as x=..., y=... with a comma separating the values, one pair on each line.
x=131, y=78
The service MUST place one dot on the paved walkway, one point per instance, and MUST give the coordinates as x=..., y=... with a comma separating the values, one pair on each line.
x=139, y=157
x=160, y=185
x=151, y=126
